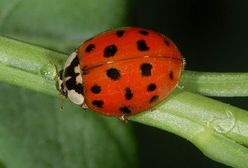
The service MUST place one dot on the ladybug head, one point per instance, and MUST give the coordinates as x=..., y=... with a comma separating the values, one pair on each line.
x=69, y=80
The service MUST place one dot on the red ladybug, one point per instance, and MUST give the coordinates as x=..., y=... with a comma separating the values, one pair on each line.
x=122, y=71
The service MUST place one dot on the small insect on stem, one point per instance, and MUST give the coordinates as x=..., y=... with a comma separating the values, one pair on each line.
x=121, y=72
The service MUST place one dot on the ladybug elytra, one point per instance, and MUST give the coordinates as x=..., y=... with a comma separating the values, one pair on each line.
x=122, y=71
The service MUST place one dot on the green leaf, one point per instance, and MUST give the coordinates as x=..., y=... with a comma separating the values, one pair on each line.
x=60, y=24
x=34, y=132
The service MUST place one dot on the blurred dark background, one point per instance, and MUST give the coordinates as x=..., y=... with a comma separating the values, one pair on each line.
x=212, y=36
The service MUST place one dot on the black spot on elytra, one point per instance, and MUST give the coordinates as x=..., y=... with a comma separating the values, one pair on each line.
x=146, y=69
x=151, y=87
x=113, y=73
x=142, y=46
x=98, y=103
x=90, y=47
x=125, y=110
x=110, y=51
x=128, y=93
x=120, y=33
x=167, y=42
x=71, y=84
x=144, y=32
x=154, y=99
x=171, y=75
x=96, y=89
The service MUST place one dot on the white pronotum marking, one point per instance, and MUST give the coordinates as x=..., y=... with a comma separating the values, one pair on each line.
x=74, y=97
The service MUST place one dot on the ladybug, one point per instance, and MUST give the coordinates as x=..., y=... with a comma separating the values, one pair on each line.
x=121, y=72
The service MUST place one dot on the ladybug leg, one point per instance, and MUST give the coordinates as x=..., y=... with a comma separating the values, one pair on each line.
x=184, y=63
x=123, y=118
x=84, y=106
x=180, y=86
x=62, y=103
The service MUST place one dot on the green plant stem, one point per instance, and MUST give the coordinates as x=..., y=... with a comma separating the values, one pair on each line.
x=219, y=130
x=29, y=66
x=40, y=62
x=216, y=84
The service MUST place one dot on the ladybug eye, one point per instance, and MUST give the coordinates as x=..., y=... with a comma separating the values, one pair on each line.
x=59, y=83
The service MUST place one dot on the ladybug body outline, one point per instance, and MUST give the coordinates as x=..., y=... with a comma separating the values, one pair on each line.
x=122, y=71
